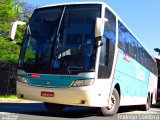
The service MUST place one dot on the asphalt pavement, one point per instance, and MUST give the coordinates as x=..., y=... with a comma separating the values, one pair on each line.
x=37, y=111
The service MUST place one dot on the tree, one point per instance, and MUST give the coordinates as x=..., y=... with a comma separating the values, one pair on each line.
x=27, y=9
x=157, y=50
x=11, y=10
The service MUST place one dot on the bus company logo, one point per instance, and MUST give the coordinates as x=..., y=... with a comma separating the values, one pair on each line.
x=140, y=73
x=64, y=77
x=127, y=57
x=8, y=116
x=48, y=82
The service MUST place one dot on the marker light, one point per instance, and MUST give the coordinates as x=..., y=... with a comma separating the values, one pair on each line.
x=80, y=83
x=22, y=79
x=35, y=75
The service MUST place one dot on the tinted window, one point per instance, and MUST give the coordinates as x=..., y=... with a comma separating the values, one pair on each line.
x=123, y=38
x=129, y=44
x=61, y=43
x=120, y=36
x=140, y=54
x=108, y=48
x=110, y=26
x=133, y=47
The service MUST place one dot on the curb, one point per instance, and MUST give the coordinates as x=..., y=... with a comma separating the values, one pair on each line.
x=23, y=101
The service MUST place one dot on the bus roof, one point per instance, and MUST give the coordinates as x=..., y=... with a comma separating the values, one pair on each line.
x=101, y=3
x=71, y=3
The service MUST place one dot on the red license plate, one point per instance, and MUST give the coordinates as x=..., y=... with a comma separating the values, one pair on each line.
x=47, y=94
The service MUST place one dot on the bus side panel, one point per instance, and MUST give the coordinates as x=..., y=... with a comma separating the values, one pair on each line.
x=133, y=79
x=152, y=88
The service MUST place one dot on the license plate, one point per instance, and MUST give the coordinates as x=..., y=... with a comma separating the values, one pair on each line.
x=47, y=94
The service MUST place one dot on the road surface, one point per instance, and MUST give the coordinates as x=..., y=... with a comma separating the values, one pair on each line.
x=37, y=111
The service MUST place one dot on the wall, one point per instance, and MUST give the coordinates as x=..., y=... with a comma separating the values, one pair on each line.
x=7, y=78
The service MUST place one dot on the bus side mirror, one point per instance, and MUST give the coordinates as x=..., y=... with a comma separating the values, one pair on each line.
x=13, y=29
x=99, y=27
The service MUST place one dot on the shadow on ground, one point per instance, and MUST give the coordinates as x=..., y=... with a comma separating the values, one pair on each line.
x=38, y=109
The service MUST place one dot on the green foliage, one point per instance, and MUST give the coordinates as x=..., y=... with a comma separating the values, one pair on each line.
x=157, y=50
x=10, y=10
x=7, y=12
x=8, y=51
x=30, y=55
x=8, y=98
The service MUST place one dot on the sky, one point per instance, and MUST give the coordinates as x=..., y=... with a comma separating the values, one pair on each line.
x=141, y=16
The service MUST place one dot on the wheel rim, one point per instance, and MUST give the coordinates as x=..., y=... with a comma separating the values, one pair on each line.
x=112, y=103
x=148, y=103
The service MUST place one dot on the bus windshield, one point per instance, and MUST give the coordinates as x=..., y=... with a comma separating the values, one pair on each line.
x=61, y=40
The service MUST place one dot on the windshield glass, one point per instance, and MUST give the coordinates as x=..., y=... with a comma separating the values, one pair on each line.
x=61, y=40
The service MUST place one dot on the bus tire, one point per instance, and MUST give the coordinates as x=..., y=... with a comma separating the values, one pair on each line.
x=114, y=106
x=151, y=100
x=146, y=107
x=54, y=108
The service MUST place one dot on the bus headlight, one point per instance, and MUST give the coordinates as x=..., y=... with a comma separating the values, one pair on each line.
x=80, y=83
x=22, y=79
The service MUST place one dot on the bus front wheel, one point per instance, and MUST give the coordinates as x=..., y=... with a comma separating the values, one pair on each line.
x=113, y=107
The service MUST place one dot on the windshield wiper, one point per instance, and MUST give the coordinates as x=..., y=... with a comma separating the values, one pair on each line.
x=56, y=42
x=60, y=22
x=28, y=30
x=65, y=63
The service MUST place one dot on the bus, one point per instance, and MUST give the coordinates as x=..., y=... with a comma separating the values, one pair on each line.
x=82, y=54
x=158, y=87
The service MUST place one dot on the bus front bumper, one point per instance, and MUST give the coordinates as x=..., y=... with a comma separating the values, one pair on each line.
x=77, y=96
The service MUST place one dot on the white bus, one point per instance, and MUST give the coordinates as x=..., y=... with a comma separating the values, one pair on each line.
x=82, y=54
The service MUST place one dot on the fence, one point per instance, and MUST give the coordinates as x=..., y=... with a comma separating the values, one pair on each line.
x=7, y=78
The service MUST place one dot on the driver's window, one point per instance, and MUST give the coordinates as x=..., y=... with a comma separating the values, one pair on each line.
x=108, y=47
x=31, y=50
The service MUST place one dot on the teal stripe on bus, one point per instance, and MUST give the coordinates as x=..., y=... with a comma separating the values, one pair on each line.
x=53, y=80
x=132, y=77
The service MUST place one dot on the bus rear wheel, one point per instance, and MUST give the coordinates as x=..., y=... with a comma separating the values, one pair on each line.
x=54, y=108
x=147, y=105
x=113, y=107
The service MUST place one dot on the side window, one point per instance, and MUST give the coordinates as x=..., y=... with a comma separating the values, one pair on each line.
x=148, y=63
x=120, y=36
x=126, y=41
x=110, y=26
x=103, y=52
x=133, y=47
x=104, y=57
x=31, y=50
x=143, y=56
x=129, y=44
x=103, y=71
x=123, y=38
x=139, y=53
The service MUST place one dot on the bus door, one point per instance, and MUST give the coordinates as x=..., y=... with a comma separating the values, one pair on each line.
x=108, y=47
